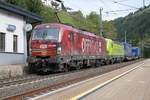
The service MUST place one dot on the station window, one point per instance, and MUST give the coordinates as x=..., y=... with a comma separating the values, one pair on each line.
x=2, y=42
x=15, y=43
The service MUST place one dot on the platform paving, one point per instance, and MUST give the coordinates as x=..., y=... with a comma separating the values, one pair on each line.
x=132, y=86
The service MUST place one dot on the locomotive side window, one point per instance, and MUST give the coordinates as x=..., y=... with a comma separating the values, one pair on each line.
x=79, y=37
x=95, y=45
x=99, y=43
x=112, y=45
x=70, y=36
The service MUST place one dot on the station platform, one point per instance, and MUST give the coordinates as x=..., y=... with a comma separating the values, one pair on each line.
x=128, y=83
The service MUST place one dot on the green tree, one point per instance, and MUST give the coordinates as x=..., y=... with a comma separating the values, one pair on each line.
x=109, y=30
x=34, y=6
x=48, y=15
x=94, y=19
x=12, y=1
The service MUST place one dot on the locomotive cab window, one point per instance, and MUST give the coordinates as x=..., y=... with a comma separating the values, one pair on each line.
x=46, y=34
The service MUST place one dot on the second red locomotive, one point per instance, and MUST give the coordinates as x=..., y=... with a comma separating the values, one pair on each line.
x=59, y=47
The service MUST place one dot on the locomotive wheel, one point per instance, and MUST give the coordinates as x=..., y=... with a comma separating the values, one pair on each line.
x=66, y=68
x=96, y=64
x=31, y=68
x=120, y=60
x=78, y=68
x=112, y=61
x=107, y=62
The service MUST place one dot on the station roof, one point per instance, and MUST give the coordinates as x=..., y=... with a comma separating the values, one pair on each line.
x=30, y=17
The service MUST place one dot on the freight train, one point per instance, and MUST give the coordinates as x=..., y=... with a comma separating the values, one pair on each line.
x=60, y=47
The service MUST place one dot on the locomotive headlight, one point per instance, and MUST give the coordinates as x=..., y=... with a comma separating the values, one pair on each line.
x=30, y=51
x=59, y=50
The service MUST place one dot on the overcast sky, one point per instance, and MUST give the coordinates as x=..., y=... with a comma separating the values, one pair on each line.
x=86, y=6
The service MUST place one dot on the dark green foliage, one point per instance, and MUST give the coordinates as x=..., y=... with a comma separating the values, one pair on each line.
x=146, y=52
x=34, y=6
x=109, y=30
x=49, y=16
x=94, y=20
x=11, y=1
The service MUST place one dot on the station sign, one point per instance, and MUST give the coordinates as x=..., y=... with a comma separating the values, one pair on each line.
x=11, y=27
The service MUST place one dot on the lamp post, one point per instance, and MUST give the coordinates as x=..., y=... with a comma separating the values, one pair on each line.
x=101, y=24
x=125, y=40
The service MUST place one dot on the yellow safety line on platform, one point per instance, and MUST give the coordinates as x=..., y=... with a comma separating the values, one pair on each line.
x=102, y=84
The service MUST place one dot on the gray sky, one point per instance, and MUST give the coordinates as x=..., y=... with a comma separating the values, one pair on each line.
x=86, y=6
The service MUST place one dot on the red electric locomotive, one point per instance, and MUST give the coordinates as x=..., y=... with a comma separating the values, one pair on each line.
x=59, y=47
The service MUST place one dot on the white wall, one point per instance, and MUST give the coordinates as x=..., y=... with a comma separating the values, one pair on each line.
x=7, y=18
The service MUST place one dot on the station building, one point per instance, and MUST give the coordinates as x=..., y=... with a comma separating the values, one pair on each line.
x=13, y=40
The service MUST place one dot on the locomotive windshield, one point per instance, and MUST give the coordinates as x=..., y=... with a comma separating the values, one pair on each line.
x=46, y=34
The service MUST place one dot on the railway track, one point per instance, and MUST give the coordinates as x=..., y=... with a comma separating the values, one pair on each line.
x=30, y=78
x=12, y=81
x=27, y=86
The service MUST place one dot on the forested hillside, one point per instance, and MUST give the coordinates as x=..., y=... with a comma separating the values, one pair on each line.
x=135, y=25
